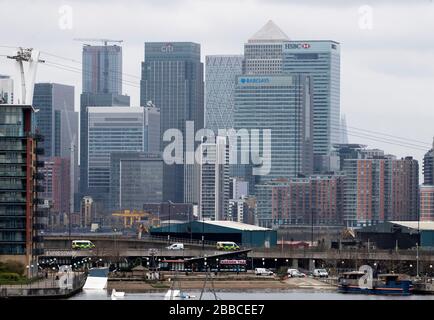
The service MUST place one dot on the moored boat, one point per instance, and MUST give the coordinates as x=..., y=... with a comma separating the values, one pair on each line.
x=384, y=284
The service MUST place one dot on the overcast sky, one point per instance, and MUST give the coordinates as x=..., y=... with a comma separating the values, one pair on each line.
x=387, y=66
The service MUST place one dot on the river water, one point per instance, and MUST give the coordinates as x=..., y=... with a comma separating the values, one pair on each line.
x=250, y=295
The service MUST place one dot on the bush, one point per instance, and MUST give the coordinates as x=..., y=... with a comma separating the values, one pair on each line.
x=12, y=267
x=10, y=276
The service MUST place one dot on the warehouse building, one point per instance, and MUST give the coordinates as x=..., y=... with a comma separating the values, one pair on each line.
x=241, y=233
x=399, y=234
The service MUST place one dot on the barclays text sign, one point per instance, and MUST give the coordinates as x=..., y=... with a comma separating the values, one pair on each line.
x=264, y=81
x=253, y=80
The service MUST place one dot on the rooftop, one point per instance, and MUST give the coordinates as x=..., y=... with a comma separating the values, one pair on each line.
x=269, y=33
x=236, y=225
x=422, y=225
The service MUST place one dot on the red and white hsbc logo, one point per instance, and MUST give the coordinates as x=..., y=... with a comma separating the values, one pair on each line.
x=297, y=45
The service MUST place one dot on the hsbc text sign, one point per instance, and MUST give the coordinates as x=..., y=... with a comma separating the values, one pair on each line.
x=297, y=45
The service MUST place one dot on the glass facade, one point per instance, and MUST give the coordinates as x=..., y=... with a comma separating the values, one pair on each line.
x=18, y=181
x=220, y=73
x=320, y=59
x=111, y=129
x=282, y=104
x=135, y=178
x=87, y=100
x=172, y=78
x=102, y=69
x=56, y=119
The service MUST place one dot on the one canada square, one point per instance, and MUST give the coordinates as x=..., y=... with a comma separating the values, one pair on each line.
x=172, y=78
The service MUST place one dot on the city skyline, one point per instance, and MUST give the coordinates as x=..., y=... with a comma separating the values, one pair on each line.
x=375, y=62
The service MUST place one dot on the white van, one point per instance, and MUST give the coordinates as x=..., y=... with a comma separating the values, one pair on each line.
x=263, y=272
x=176, y=246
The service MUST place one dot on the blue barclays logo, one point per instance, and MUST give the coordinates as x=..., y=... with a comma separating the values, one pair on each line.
x=254, y=80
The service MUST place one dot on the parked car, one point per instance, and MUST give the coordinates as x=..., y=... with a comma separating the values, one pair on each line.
x=295, y=273
x=263, y=272
x=320, y=273
x=176, y=246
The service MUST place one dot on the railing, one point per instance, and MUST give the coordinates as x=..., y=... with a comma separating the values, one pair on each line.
x=50, y=285
x=180, y=240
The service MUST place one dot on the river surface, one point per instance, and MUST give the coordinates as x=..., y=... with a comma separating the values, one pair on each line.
x=250, y=295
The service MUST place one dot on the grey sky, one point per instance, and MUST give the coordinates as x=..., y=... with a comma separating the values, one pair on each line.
x=387, y=78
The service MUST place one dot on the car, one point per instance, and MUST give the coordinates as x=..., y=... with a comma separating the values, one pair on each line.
x=176, y=246
x=263, y=272
x=320, y=273
x=227, y=246
x=295, y=273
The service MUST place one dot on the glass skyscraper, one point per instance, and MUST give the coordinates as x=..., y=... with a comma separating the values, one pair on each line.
x=135, y=178
x=111, y=129
x=56, y=119
x=220, y=74
x=321, y=60
x=172, y=78
x=102, y=86
x=102, y=69
x=281, y=103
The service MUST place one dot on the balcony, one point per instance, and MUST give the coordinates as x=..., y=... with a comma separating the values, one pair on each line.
x=38, y=137
x=38, y=226
x=41, y=213
x=38, y=239
x=38, y=201
x=38, y=251
x=39, y=176
x=39, y=164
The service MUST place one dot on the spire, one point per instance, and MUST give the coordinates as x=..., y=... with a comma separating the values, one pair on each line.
x=269, y=33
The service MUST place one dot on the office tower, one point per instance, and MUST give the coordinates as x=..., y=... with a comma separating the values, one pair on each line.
x=428, y=167
x=282, y=104
x=136, y=178
x=172, y=78
x=344, y=131
x=316, y=200
x=380, y=189
x=110, y=129
x=236, y=210
x=57, y=184
x=220, y=73
x=151, y=138
x=321, y=60
x=239, y=188
x=94, y=100
x=102, y=86
x=263, y=51
x=21, y=219
x=87, y=212
x=56, y=119
x=214, y=179
x=426, y=203
x=102, y=69
x=6, y=90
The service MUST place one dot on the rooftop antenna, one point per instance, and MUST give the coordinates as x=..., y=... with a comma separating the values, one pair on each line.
x=26, y=85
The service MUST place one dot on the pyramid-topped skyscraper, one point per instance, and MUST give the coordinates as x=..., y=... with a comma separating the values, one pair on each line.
x=263, y=51
x=270, y=32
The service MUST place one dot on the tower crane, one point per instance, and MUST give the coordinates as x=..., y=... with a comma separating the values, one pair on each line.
x=105, y=41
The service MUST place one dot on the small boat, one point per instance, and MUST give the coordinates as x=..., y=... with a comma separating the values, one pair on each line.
x=117, y=294
x=97, y=279
x=384, y=284
x=424, y=286
x=177, y=295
